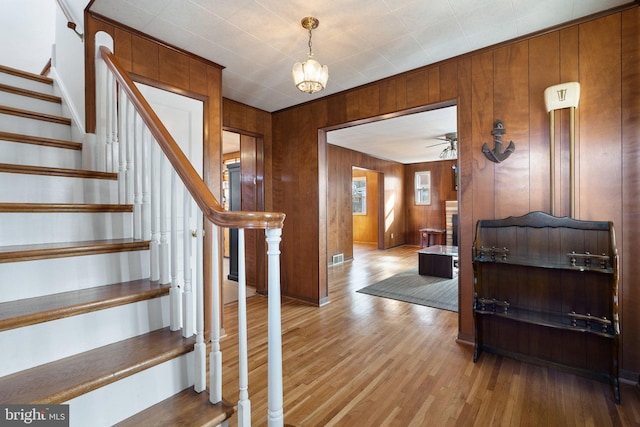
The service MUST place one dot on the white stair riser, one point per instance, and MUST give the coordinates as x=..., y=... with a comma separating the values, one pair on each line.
x=33, y=127
x=21, y=82
x=35, y=228
x=30, y=104
x=45, y=342
x=38, y=155
x=29, y=279
x=115, y=402
x=26, y=188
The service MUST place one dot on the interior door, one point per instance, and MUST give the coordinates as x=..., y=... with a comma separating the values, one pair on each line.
x=183, y=117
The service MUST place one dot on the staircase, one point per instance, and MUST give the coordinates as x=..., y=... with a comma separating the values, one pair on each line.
x=81, y=322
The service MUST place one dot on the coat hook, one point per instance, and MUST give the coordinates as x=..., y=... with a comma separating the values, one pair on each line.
x=496, y=155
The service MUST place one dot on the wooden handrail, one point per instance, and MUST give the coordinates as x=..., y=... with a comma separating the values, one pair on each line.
x=195, y=185
x=67, y=14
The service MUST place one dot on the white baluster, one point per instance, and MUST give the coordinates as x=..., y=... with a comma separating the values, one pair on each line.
x=175, y=292
x=164, y=244
x=123, y=123
x=101, y=101
x=275, y=417
x=137, y=178
x=115, y=144
x=154, y=248
x=200, y=349
x=109, y=109
x=146, y=205
x=131, y=129
x=244, y=404
x=187, y=297
x=215, y=357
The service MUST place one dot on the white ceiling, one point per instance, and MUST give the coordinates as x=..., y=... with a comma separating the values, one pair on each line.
x=258, y=41
x=361, y=41
x=413, y=138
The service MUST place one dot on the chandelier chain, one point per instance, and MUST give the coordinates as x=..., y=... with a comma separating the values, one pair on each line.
x=310, y=52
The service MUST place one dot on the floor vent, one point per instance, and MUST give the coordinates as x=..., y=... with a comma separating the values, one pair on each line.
x=338, y=259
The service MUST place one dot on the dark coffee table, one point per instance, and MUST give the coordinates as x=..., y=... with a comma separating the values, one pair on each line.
x=437, y=261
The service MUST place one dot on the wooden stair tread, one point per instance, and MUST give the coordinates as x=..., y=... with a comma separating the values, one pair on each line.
x=38, y=140
x=26, y=74
x=64, y=207
x=16, y=314
x=30, y=93
x=186, y=408
x=64, y=379
x=17, y=253
x=35, y=115
x=48, y=171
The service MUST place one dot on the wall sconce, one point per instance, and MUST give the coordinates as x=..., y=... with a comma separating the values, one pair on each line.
x=565, y=95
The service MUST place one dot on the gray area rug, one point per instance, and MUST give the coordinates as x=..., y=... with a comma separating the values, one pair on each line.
x=411, y=287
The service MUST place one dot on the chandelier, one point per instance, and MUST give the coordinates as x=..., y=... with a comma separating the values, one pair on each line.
x=309, y=76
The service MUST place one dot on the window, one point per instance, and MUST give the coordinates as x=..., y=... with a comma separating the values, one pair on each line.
x=359, y=195
x=423, y=188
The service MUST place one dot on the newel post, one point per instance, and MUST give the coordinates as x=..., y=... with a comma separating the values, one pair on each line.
x=275, y=403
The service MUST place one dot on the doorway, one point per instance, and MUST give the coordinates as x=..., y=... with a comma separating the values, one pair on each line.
x=366, y=192
x=401, y=217
x=242, y=158
x=183, y=117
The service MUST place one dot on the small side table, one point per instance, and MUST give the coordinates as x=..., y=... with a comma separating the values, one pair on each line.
x=431, y=237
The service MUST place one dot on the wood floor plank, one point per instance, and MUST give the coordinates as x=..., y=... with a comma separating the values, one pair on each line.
x=370, y=361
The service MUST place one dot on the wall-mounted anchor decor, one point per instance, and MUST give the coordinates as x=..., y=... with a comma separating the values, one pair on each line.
x=496, y=155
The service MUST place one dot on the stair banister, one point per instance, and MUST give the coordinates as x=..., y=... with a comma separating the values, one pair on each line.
x=210, y=209
x=196, y=186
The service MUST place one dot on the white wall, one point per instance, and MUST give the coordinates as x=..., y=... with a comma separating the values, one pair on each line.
x=27, y=33
x=68, y=66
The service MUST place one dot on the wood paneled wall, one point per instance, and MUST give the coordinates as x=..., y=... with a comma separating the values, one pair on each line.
x=365, y=227
x=340, y=225
x=505, y=82
x=442, y=189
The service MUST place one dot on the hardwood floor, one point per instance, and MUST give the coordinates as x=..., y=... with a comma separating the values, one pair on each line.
x=363, y=360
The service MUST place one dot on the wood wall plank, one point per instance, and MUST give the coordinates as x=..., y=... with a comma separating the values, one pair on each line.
x=600, y=117
x=544, y=65
x=465, y=195
x=482, y=122
x=178, y=75
x=442, y=189
x=417, y=88
x=145, y=58
x=629, y=249
x=511, y=105
x=569, y=72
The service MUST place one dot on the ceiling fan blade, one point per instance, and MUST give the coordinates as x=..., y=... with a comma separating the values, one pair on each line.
x=435, y=145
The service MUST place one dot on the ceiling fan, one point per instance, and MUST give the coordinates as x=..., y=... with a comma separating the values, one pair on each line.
x=451, y=150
